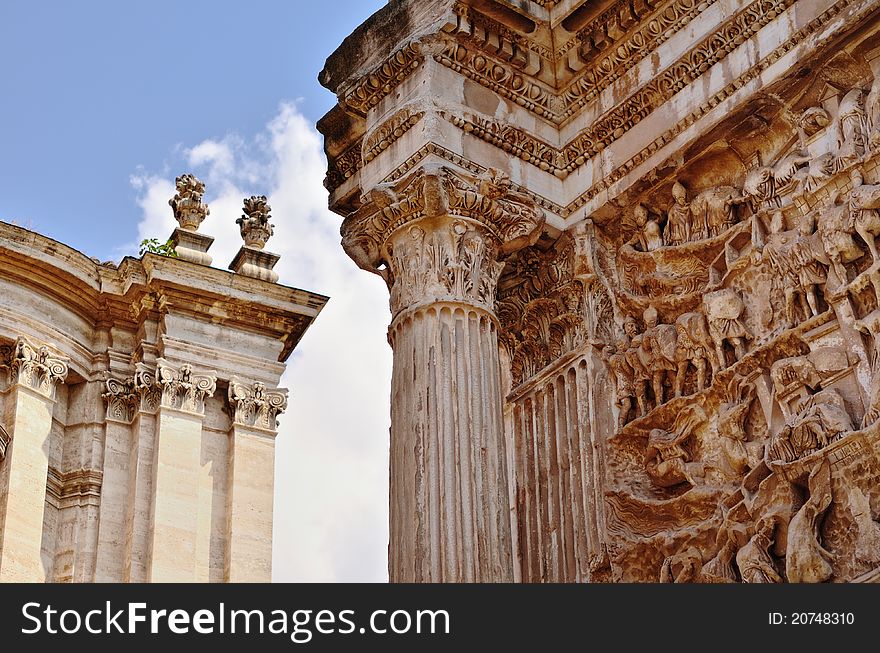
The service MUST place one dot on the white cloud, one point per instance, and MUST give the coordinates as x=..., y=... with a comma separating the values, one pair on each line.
x=331, y=511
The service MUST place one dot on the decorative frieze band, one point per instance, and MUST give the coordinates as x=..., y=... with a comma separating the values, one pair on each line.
x=602, y=72
x=253, y=405
x=384, y=79
x=550, y=159
x=615, y=123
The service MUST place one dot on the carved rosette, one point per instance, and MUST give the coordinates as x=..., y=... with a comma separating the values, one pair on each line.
x=189, y=210
x=182, y=389
x=254, y=223
x=253, y=405
x=439, y=235
x=36, y=367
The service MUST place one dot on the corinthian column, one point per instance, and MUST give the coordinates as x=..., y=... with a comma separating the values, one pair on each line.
x=438, y=237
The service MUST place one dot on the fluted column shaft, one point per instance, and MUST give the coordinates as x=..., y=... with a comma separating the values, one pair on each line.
x=438, y=238
x=450, y=517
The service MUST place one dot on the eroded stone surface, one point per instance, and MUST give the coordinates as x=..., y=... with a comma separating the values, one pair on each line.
x=687, y=325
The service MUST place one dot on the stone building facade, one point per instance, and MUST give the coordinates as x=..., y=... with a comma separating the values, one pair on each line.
x=635, y=293
x=138, y=405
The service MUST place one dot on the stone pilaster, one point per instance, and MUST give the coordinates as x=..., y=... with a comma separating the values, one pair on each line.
x=122, y=403
x=138, y=527
x=251, y=482
x=438, y=237
x=177, y=456
x=34, y=371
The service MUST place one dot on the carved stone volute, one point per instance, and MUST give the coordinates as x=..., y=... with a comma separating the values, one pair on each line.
x=182, y=389
x=36, y=367
x=253, y=405
x=438, y=235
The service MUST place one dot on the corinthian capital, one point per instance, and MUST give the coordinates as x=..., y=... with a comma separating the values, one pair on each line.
x=253, y=405
x=122, y=399
x=439, y=234
x=36, y=367
x=182, y=389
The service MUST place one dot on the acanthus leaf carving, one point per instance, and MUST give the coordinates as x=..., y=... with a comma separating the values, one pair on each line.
x=481, y=219
x=123, y=399
x=37, y=367
x=254, y=405
x=182, y=389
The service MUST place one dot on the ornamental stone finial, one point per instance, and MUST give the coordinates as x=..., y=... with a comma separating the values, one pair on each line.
x=189, y=210
x=255, y=226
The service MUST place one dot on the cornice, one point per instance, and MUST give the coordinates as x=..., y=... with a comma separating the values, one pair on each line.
x=117, y=295
x=561, y=161
x=76, y=484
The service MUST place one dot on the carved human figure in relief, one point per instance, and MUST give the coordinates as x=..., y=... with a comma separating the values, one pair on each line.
x=635, y=358
x=724, y=312
x=714, y=210
x=667, y=462
x=778, y=253
x=623, y=378
x=852, y=125
x=872, y=112
x=765, y=185
x=659, y=340
x=649, y=235
x=679, y=220
x=806, y=560
x=836, y=229
x=733, y=455
x=793, y=257
x=864, y=202
x=754, y=560
x=693, y=347
x=811, y=273
x=730, y=538
x=821, y=419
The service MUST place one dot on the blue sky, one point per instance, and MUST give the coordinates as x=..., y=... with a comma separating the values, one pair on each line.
x=104, y=103
x=93, y=89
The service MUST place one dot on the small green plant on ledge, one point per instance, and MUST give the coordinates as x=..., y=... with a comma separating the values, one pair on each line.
x=153, y=246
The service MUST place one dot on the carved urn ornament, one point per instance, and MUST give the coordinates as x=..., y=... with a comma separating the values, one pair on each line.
x=255, y=226
x=189, y=210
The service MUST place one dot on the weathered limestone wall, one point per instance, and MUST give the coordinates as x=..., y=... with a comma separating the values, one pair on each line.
x=138, y=406
x=686, y=319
